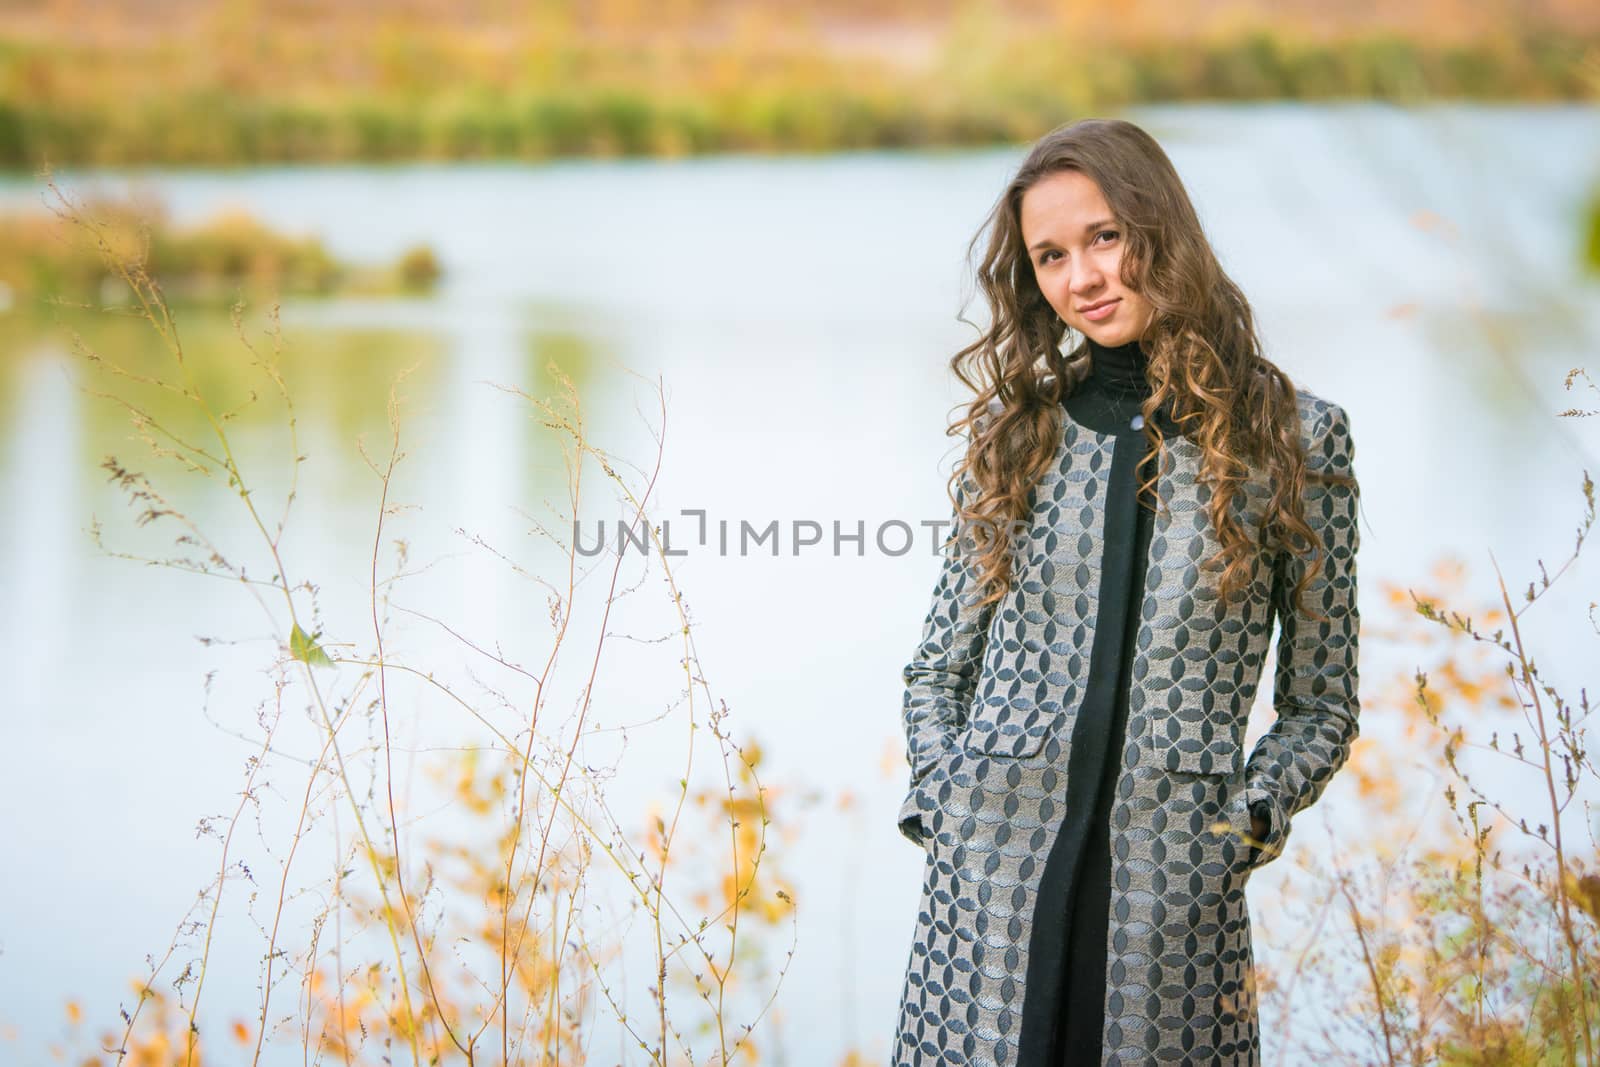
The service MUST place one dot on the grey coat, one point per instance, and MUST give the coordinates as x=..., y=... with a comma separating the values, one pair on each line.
x=989, y=706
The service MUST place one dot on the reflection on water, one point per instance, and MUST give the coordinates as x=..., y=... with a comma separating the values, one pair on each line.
x=330, y=374
x=1418, y=268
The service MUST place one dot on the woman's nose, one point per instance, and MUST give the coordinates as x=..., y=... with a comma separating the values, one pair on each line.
x=1086, y=278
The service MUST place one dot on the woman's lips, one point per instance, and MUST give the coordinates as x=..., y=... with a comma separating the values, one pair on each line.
x=1103, y=311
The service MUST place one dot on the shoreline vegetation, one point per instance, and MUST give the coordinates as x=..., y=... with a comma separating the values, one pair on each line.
x=44, y=259
x=252, y=82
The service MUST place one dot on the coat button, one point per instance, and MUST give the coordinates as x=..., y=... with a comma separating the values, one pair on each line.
x=1138, y=421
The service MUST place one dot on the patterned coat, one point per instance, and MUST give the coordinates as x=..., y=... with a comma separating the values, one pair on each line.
x=990, y=702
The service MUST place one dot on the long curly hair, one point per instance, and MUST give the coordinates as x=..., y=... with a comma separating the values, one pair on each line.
x=1204, y=362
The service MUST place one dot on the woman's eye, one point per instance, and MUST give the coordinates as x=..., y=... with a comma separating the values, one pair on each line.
x=1108, y=233
x=1046, y=257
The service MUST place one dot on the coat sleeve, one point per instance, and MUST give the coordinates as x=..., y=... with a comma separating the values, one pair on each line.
x=1315, y=687
x=942, y=676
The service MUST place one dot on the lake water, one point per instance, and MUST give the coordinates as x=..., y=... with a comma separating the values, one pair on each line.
x=1421, y=268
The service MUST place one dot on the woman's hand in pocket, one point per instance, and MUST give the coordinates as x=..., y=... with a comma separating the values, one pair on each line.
x=1258, y=827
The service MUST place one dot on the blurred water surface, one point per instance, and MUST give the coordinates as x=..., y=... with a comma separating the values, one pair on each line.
x=1421, y=268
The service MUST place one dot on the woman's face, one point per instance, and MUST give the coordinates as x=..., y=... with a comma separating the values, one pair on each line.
x=1075, y=245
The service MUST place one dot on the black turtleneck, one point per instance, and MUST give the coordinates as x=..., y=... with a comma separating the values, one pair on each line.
x=1108, y=399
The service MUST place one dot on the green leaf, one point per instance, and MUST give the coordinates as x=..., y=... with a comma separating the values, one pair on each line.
x=305, y=649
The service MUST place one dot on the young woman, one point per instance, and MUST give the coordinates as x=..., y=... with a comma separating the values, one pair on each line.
x=1134, y=512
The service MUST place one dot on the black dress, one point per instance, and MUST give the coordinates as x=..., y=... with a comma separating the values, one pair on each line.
x=1064, y=1015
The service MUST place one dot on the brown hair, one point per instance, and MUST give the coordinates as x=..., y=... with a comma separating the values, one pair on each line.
x=1204, y=360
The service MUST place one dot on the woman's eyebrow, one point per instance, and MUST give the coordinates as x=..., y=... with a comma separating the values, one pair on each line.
x=1098, y=224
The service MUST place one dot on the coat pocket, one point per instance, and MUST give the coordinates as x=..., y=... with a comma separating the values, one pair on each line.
x=1239, y=830
x=1193, y=742
x=1005, y=726
x=918, y=818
